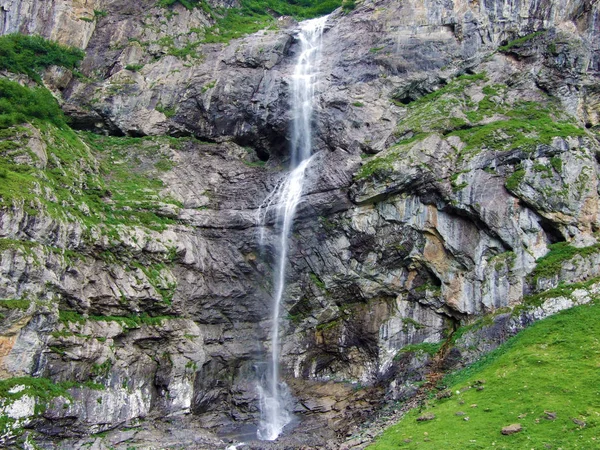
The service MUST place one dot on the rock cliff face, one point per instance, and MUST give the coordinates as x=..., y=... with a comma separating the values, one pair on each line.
x=454, y=200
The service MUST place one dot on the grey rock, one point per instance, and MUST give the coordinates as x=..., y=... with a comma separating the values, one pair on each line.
x=512, y=429
x=377, y=263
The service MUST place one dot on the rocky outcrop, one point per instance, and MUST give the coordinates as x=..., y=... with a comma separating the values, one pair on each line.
x=72, y=22
x=457, y=147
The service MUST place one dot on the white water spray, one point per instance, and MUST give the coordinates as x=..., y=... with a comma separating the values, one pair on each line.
x=283, y=200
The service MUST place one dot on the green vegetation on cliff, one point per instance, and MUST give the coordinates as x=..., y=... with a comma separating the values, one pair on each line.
x=189, y=4
x=562, y=290
x=31, y=55
x=12, y=303
x=383, y=163
x=255, y=15
x=20, y=104
x=520, y=41
x=425, y=347
x=47, y=168
x=93, y=187
x=450, y=111
x=526, y=124
x=546, y=379
x=131, y=189
x=43, y=390
x=550, y=264
x=496, y=122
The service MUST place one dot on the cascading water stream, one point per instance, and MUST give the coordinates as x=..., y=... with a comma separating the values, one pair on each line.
x=282, y=201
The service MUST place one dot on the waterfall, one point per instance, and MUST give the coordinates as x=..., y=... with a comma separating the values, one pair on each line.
x=282, y=201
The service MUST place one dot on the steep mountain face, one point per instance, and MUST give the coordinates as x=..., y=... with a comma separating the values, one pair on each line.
x=454, y=200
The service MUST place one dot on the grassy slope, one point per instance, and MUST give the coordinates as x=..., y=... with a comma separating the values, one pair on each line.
x=552, y=366
x=254, y=15
x=451, y=111
x=74, y=189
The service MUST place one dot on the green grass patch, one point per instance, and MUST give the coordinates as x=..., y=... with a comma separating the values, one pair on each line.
x=22, y=304
x=167, y=111
x=247, y=18
x=258, y=163
x=439, y=111
x=30, y=55
x=550, y=264
x=348, y=5
x=551, y=366
x=134, y=191
x=20, y=104
x=11, y=244
x=381, y=164
x=188, y=50
x=330, y=325
x=557, y=164
x=562, y=290
x=33, y=250
x=69, y=169
x=529, y=124
x=134, y=67
x=255, y=15
x=101, y=370
x=155, y=276
x=188, y=4
x=300, y=311
x=451, y=111
x=317, y=281
x=108, y=186
x=514, y=180
x=425, y=287
x=474, y=326
x=408, y=323
x=456, y=86
x=208, y=86
x=520, y=41
x=424, y=347
x=41, y=388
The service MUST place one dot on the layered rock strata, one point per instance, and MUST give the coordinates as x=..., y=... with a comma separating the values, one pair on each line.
x=454, y=195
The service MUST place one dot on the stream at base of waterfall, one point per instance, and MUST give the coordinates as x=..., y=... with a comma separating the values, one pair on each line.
x=280, y=207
